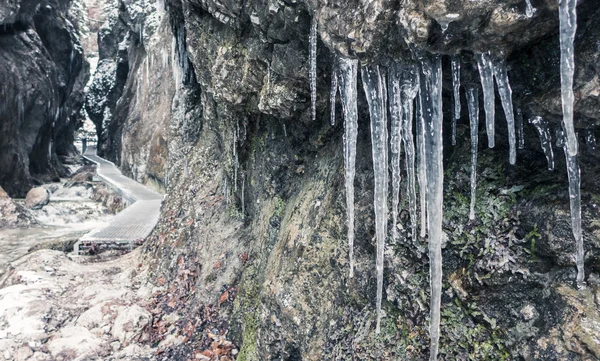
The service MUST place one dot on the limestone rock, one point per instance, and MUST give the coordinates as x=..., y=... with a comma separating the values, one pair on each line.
x=130, y=322
x=37, y=198
x=13, y=214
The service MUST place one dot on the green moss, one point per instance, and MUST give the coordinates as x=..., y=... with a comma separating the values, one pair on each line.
x=246, y=307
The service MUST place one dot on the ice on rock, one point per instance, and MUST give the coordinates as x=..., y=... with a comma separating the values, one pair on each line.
x=431, y=90
x=545, y=138
x=505, y=92
x=574, y=175
x=312, y=40
x=333, y=93
x=590, y=140
x=348, y=69
x=395, y=140
x=375, y=90
x=484, y=63
x=421, y=168
x=409, y=88
x=529, y=10
x=473, y=104
x=455, y=64
x=520, y=134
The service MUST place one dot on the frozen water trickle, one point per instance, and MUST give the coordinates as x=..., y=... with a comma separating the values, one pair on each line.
x=348, y=69
x=473, y=103
x=567, y=15
x=484, y=63
x=312, y=40
x=505, y=92
x=409, y=89
x=574, y=174
x=375, y=91
x=529, y=10
x=431, y=88
x=455, y=63
x=395, y=140
x=421, y=168
x=545, y=138
x=590, y=140
x=520, y=135
x=333, y=93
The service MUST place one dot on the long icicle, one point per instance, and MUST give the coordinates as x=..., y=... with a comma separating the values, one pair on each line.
x=422, y=169
x=567, y=15
x=473, y=103
x=348, y=70
x=575, y=202
x=312, y=50
x=432, y=109
x=519, y=124
x=484, y=63
x=374, y=86
x=505, y=92
x=455, y=64
x=409, y=88
x=395, y=141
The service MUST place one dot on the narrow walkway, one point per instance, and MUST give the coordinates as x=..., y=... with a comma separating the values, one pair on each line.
x=134, y=222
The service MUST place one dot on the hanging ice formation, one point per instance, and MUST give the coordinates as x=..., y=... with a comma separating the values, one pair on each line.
x=312, y=40
x=421, y=169
x=409, y=88
x=348, y=69
x=333, y=93
x=456, y=93
x=568, y=25
x=431, y=90
x=473, y=103
x=529, y=10
x=575, y=202
x=484, y=63
x=395, y=141
x=545, y=138
x=506, y=97
x=375, y=90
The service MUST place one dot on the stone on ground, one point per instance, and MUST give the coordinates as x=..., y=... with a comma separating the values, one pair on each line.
x=37, y=198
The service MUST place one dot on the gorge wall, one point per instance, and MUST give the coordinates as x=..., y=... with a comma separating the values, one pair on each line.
x=210, y=101
x=42, y=76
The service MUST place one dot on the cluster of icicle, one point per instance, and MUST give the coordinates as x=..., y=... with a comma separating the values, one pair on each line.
x=419, y=86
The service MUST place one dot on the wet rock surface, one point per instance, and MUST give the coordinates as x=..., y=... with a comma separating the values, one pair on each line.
x=43, y=74
x=37, y=198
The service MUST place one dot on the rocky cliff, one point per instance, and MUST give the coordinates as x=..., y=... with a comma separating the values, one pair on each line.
x=211, y=101
x=43, y=74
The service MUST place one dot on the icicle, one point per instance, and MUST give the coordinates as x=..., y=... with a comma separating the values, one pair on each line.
x=333, y=93
x=529, y=10
x=473, y=103
x=431, y=83
x=422, y=169
x=520, y=135
x=505, y=92
x=545, y=138
x=410, y=86
x=568, y=25
x=395, y=141
x=348, y=73
x=456, y=91
x=313, y=66
x=575, y=203
x=484, y=63
x=374, y=86
x=284, y=131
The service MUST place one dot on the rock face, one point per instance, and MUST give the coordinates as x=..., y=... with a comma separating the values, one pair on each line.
x=13, y=214
x=43, y=74
x=210, y=99
x=37, y=198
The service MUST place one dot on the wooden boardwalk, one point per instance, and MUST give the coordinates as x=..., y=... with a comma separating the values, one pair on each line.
x=134, y=222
